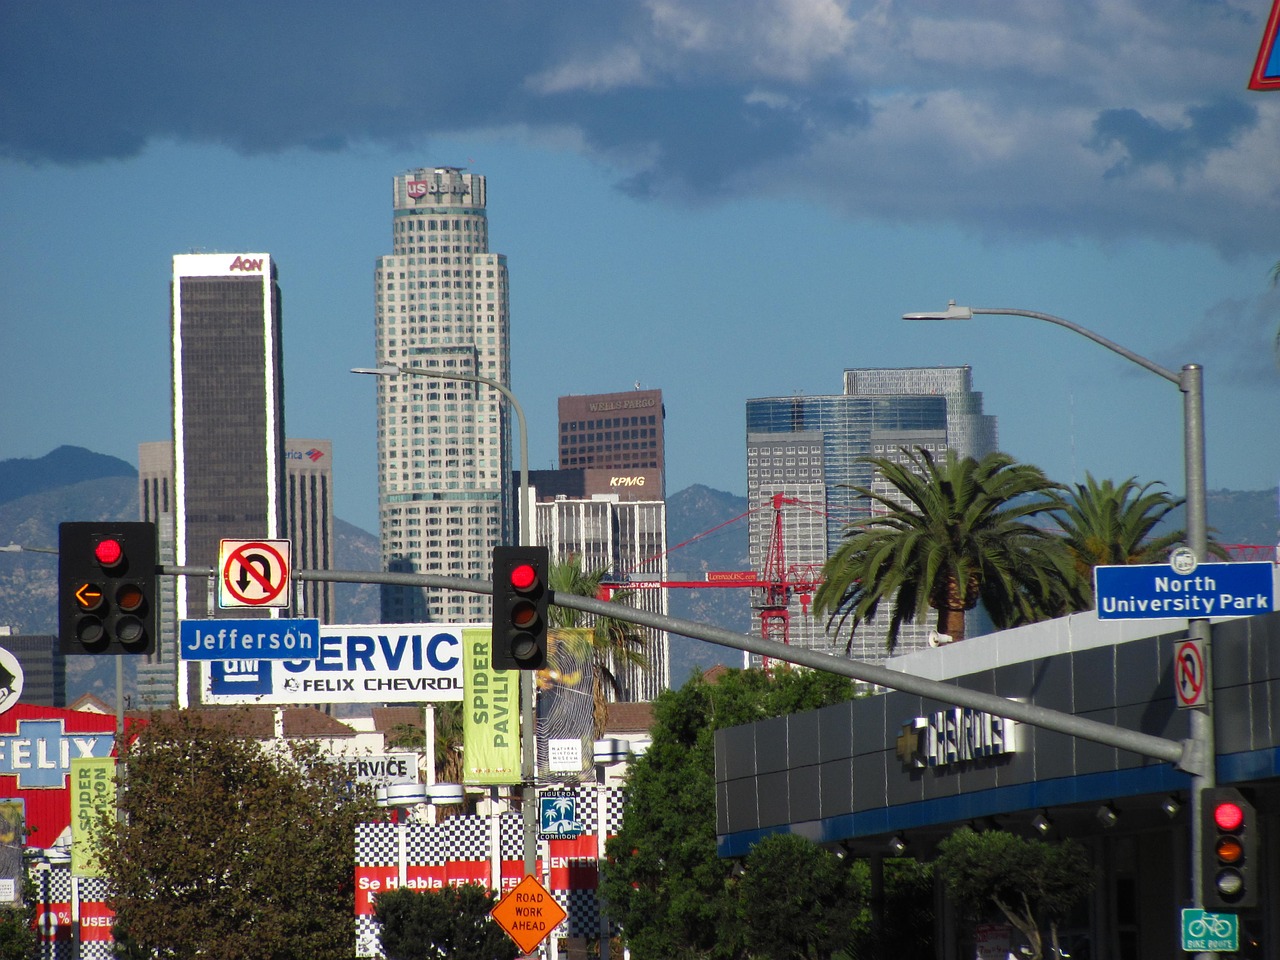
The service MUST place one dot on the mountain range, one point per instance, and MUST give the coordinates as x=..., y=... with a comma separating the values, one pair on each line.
x=706, y=530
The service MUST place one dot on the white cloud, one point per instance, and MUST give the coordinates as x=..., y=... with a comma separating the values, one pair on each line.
x=617, y=68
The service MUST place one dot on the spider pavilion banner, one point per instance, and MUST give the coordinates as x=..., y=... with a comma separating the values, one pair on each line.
x=487, y=851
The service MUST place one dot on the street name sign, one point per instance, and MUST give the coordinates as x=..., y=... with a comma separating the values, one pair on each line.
x=528, y=914
x=1156, y=591
x=1207, y=932
x=253, y=573
x=264, y=639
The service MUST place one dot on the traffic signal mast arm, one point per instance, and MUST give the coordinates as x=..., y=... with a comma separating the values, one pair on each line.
x=1182, y=754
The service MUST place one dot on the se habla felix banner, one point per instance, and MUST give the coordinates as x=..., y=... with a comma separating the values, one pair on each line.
x=491, y=715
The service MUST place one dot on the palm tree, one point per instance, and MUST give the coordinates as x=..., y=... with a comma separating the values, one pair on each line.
x=952, y=534
x=607, y=643
x=1105, y=524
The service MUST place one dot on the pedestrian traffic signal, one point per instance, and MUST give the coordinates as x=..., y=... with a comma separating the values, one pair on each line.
x=1230, y=849
x=107, y=598
x=520, y=595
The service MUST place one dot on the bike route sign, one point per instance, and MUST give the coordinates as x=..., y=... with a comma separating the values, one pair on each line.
x=1207, y=932
x=1156, y=592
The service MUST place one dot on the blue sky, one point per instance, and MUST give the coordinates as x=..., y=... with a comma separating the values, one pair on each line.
x=723, y=200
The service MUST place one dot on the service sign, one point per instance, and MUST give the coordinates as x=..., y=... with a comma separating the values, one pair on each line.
x=357, y=663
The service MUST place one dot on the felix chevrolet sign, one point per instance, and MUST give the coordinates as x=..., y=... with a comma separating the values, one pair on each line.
x=1158, y=591
x=355, y=663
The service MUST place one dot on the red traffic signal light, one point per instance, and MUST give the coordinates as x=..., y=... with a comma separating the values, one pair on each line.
x=1229, y=839
x=520, y=597
x=107, y=599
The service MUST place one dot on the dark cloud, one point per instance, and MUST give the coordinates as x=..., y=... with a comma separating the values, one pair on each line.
x=1145, y=142
x=693, y=101
x=1237, y=341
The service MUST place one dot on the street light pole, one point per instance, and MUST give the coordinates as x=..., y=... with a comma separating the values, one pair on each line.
x=528, y=742
x=1191, y=382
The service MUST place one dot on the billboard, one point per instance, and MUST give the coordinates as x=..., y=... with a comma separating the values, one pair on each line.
x=357, y=663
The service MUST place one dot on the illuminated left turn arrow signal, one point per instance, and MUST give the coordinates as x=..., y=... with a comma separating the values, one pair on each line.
x=89, y=596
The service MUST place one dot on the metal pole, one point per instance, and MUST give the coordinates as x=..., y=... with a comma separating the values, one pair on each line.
x=1190, y=381
x=528, y=742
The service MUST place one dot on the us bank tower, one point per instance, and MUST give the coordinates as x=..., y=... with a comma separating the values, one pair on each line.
x=443, y=444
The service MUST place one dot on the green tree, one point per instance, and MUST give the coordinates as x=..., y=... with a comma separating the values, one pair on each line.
x=229, y=847
x=1111, y=524
x=448, y=924
x=664, y=884
x=1030, y=882
x=609, y=643
x=950, y=534
x=796, y=901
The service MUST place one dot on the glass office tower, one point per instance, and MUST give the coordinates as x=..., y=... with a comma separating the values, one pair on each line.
x=808, y=450
x=228, y=411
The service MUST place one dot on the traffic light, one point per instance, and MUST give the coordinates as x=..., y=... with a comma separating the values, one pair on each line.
x=107, y=601
x=1230, y=849
x=520, y=596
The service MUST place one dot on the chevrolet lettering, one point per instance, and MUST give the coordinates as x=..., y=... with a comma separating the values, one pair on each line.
x=371, y=663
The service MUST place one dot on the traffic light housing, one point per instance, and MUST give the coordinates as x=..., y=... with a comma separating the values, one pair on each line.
x=520, y=596
x=1229, y=837
x=107, y=597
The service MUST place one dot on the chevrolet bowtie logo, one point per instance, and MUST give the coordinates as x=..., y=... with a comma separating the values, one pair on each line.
x=908, y=744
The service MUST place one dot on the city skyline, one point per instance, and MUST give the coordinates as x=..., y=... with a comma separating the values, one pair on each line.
x=818, y=171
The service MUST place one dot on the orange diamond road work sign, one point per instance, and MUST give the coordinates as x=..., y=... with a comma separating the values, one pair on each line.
x=528, y=913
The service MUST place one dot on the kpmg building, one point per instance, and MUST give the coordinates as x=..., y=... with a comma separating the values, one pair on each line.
x=443, y=444
x=804, y=453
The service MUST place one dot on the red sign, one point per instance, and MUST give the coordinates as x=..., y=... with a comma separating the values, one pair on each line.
x=247, y=265
x=1266, y=72
x=417, y=189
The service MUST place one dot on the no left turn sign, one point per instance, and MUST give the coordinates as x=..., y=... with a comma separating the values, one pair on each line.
x=253, y=573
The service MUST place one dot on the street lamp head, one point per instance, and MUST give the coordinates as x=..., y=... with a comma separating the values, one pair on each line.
x=951, y=313
x=385, y=370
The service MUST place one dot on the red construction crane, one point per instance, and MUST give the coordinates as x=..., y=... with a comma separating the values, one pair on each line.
x=780, y=581
x=773, y=587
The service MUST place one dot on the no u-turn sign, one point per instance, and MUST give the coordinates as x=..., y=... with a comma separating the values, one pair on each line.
x=253, y=573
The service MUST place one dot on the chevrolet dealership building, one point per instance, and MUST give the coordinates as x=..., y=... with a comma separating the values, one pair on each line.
x=892, y=774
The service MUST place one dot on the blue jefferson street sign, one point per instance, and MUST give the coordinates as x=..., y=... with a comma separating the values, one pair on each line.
x=1155, y=591
x=275, y=639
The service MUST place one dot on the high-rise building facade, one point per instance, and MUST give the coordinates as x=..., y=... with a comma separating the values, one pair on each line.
x=618, y=432
x=441, y=305
x=627, y=538
x=805, y=453
x=228, y=411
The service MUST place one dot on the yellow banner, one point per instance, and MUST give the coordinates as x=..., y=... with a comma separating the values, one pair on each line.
x=93, y=794
x=491, y=715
